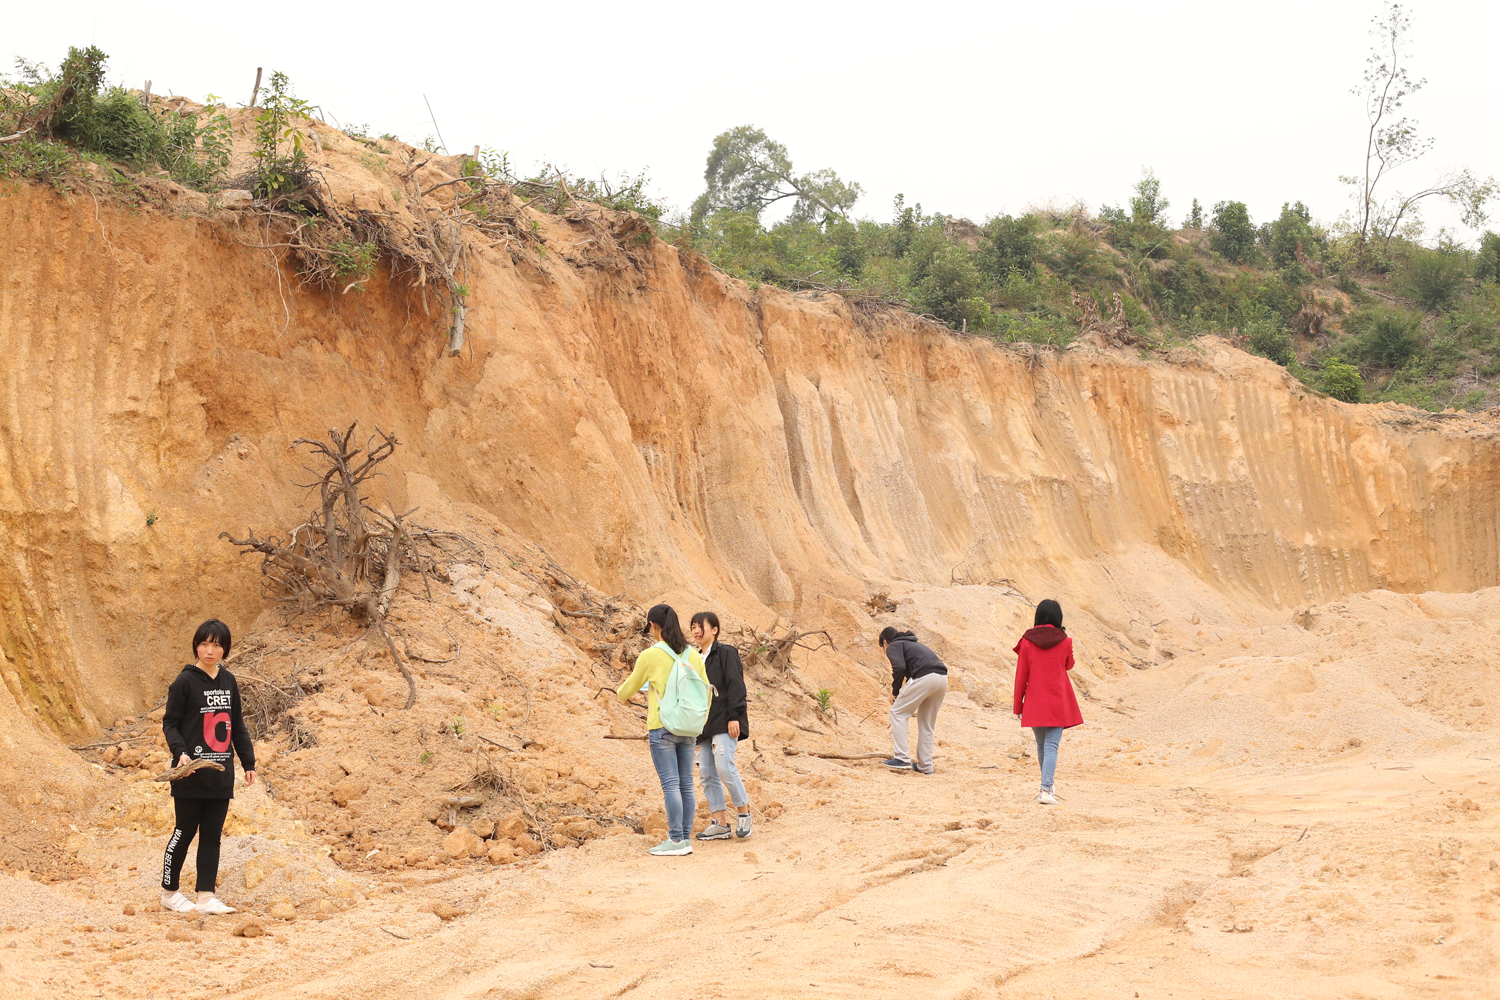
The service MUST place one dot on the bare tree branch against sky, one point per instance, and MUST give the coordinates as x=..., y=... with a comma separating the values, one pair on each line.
x=969, y=108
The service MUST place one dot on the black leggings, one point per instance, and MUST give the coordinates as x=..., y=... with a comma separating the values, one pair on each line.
x=205, y=817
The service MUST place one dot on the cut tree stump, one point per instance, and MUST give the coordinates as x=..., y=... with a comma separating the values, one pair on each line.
x=177, y=773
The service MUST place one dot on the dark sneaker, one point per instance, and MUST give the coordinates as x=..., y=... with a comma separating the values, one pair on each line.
x=714, y=831
x=897, y=765
x=742, y=826
x=914, y=767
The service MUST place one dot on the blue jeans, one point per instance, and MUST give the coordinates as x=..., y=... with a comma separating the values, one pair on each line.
x=716, y=766
x=1047, y=739
x=673, y=757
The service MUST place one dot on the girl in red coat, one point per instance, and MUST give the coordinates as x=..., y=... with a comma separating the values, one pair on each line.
x=1044, y=698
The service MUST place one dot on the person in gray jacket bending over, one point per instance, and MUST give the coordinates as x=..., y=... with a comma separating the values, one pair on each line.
x=919, y=683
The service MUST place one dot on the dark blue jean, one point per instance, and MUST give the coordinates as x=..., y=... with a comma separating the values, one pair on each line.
x=673, y=757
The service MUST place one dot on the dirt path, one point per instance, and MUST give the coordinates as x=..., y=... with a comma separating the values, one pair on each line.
x=1366, y=876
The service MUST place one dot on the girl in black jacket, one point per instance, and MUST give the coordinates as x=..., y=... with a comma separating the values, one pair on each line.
x=202, y=720
x=728, y=723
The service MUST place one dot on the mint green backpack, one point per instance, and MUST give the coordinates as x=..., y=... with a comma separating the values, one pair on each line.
x=683, y=706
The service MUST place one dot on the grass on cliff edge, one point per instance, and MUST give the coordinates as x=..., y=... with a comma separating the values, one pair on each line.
x=1408, y=323
x=1415, y=324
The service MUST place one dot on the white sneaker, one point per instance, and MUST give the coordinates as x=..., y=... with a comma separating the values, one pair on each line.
x=214, y=904
x=176, y=902
x=1046, y=798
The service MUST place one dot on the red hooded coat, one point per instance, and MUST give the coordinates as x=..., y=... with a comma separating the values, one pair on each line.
x=1044, y=695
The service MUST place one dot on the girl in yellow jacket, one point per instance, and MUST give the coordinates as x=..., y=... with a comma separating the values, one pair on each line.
x=671, y=754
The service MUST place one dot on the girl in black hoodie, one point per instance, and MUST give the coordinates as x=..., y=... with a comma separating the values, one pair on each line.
x=202, y=720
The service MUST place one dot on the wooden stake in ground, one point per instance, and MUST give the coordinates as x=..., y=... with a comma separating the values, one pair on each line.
x=256, y=92
x=182, y=771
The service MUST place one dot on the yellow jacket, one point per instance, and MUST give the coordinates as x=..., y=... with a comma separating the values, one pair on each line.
x=652, y=668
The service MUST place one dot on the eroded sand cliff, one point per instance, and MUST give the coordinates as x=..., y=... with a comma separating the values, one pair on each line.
x=665, y=432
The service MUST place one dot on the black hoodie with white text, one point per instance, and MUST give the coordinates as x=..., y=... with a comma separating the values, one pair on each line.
x=204, y=719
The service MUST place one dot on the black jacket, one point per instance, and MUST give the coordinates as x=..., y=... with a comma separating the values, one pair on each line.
x=910, y=660
x=204, y=717
x=727, y=675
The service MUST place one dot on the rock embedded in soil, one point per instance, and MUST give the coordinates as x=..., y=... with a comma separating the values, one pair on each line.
x=348, y=790
x=483, y=828
x=526, y=844
x=510, y=825
x=462, y=843
x=501, y=854
x=443, y=911
x=129, y=910
x=283, y=911
x=250, y=927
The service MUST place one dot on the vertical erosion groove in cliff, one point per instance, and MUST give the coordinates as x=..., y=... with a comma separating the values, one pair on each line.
x=678, y=433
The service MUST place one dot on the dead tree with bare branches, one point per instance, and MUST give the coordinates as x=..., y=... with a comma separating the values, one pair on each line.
x=347, y=554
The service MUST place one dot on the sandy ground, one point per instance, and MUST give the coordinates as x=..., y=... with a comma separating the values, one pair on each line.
x=1177, y=865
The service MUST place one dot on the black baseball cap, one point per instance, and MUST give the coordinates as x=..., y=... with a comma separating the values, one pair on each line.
x=657, y=615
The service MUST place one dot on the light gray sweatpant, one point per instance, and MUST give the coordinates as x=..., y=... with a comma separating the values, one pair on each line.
x=921, y=697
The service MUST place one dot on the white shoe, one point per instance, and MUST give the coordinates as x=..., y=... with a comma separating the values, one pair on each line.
x=1046, y=798
x=176, y=902
x=214, y=905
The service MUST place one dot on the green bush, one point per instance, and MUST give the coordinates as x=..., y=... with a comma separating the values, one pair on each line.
x=1148, y=207
x=280, y=153
x=1271, y=340
x=849, y=250
x=1075, y=258
x=1293, y=228
x=112, y=123
x=1476, y=320
x=1387, y=337
x=951, y=289
x=1032, y=329
x=1009, y=245
x=1233, y=236
x=1487, y=262
x=1194, y=218
x=1433, y=278
x=1342, y=381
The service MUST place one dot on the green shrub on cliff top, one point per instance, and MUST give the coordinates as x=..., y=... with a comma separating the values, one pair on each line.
x=72, y=105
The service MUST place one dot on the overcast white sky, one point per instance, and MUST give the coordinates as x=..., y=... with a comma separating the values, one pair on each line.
x=968, y=108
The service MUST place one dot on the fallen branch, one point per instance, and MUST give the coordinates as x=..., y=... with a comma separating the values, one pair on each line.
x=184, y=770
x=612, y=736
x=109, y=743
x=794, y=752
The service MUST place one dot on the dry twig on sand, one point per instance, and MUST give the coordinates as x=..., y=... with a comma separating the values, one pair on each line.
x=794, y=752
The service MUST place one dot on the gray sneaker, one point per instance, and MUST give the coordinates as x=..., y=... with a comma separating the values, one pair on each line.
x=715, y=831
x=742, y=825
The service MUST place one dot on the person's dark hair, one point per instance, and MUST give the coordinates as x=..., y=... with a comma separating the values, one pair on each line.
x=671, y=632
x=1049, y=612
x=706, y=618
x=889, y=632
x=211, y=629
